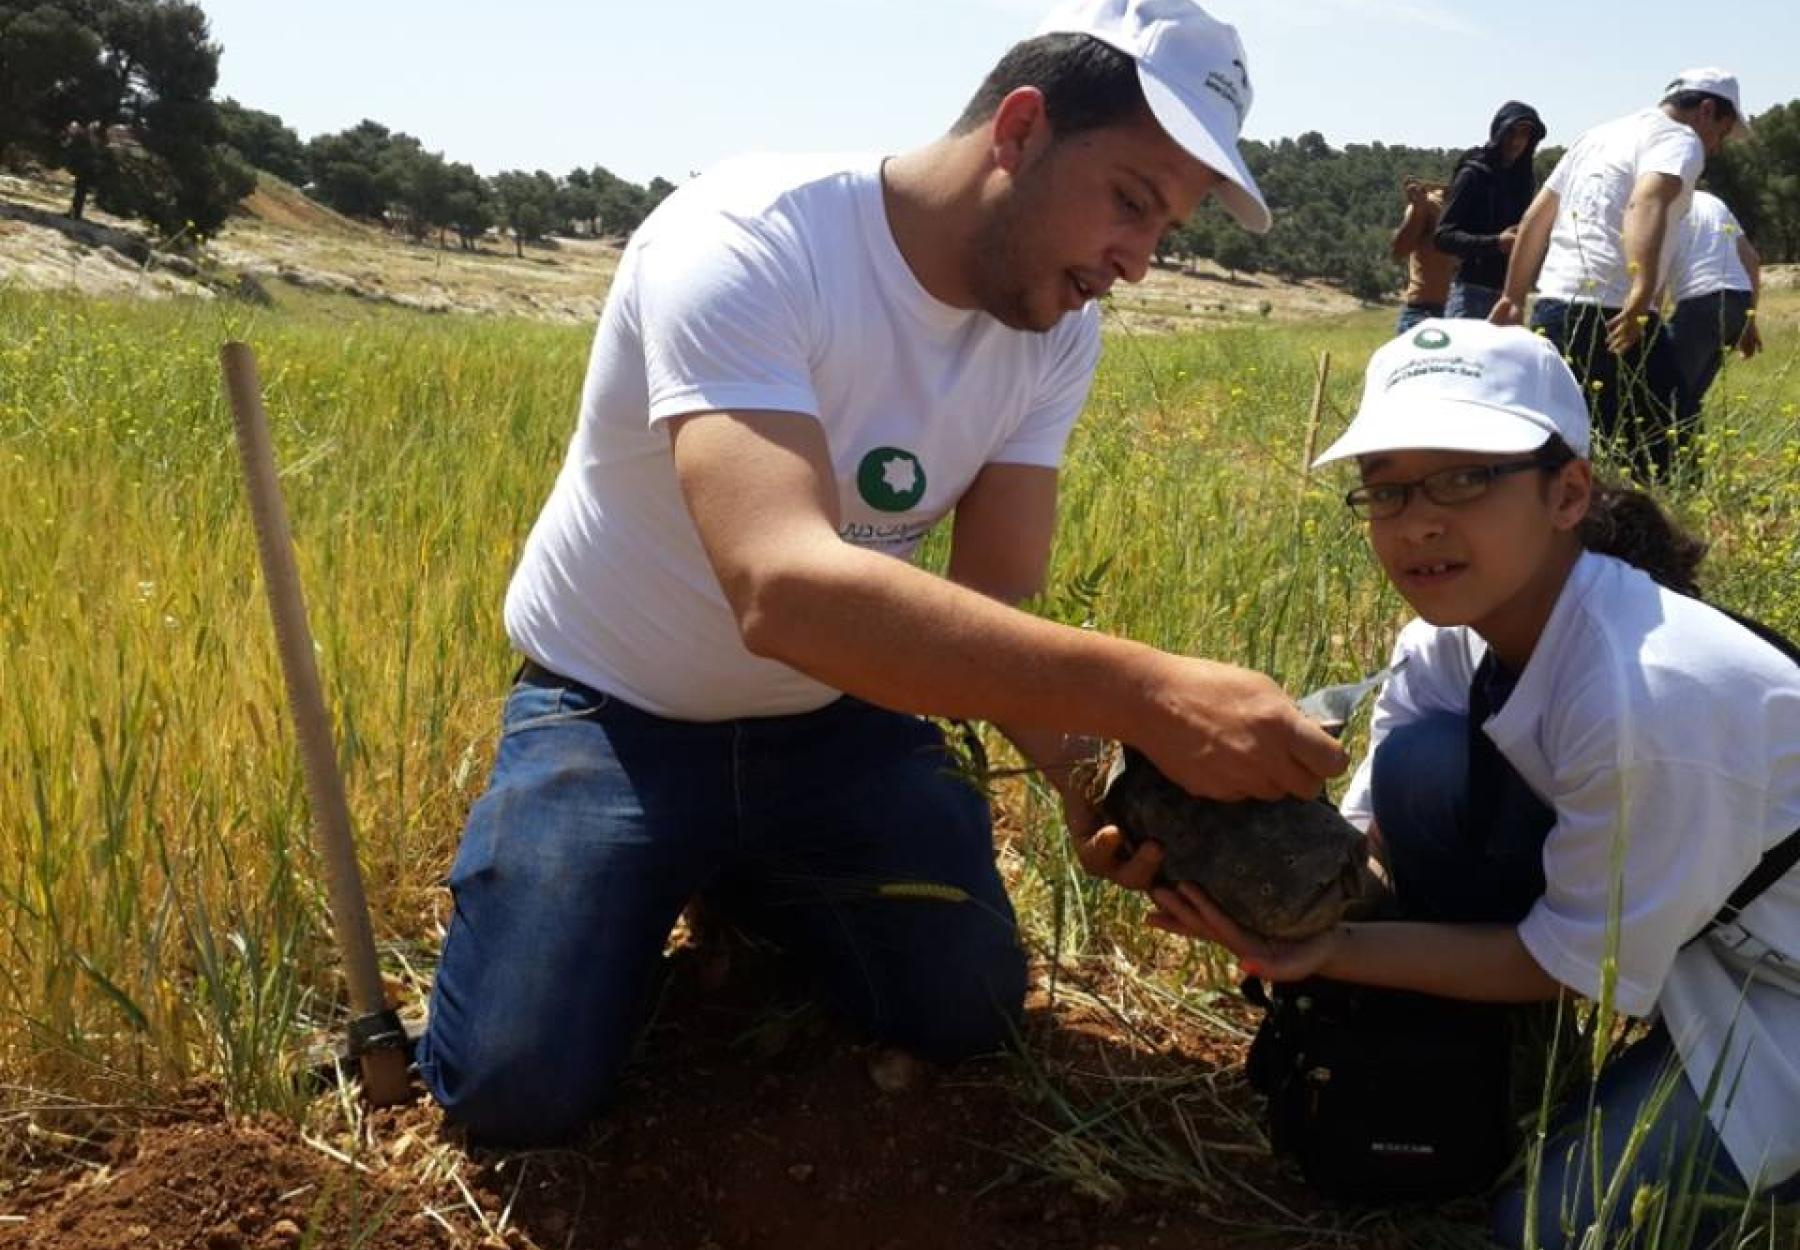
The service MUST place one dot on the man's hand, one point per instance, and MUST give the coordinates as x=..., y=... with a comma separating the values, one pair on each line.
x=1750, y=341
x=1186, y=910
x=1626, y=329
x=1227, y=733
x=1506, y=313
x=1506, y=239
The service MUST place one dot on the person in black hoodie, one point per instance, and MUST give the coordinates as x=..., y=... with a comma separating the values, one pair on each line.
x=1492, y=188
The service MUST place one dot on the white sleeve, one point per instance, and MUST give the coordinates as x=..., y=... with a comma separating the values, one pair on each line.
x=725, y=317
x=1558, y=181
x=1043, y=432
x=1672, y=150
x=1649, y=827
x=1434, y=676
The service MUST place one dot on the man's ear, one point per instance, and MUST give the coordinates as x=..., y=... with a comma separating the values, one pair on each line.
x=1020, y=127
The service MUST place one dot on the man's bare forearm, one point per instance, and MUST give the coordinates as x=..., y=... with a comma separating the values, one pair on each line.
x=759, y=489
x=1646, y=224
x=895, y=635
x=1752, y=262
x=1530, y=247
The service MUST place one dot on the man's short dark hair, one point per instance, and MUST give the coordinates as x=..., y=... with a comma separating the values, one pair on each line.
x=1086, y=83
x=1685, y=101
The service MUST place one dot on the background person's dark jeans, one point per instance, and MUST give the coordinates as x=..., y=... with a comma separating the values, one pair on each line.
x=1636, y=403
x=1701, y=331
x=601, y=821
x=1412, y=314
x=1471, y=300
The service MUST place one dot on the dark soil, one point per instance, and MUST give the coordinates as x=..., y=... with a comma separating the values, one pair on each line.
x=748, y=1122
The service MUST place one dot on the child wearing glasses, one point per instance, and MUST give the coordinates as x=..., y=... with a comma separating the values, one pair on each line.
x=1578, y=760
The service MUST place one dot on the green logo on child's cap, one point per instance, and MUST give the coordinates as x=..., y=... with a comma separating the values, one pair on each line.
x=1431, y=340
x=891, y=479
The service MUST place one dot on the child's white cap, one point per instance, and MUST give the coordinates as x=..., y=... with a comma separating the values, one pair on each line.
x=1465, y=385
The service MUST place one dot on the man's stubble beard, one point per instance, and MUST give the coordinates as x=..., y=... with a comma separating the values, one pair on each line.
x=1001, y=275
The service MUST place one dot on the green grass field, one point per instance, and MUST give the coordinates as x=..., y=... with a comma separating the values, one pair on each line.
x=159, y=915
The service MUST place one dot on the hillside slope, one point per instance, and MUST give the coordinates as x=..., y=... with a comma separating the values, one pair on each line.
x=280, y=238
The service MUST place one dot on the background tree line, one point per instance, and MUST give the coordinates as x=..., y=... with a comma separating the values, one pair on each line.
x=119, y=94
x=380, y=175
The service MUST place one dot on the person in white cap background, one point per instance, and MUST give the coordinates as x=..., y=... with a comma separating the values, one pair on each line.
x=1715, y=280
x=1613, y=713
x=804, y=365
x=1597, y=240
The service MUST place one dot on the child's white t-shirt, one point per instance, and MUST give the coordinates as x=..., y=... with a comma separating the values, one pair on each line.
x=1663, y=732
x=770, y=283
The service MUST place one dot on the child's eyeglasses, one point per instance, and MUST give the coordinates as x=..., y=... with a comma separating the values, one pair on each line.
x=1379, y=501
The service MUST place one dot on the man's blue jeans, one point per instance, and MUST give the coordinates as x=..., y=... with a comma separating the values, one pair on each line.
x=1634, y=398
x=1469, y=300
x=601, y=821
x=1412, y=314
x=1701, y=331
x=1448, y=868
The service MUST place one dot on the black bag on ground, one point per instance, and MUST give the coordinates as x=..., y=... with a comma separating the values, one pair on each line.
x=1383, y=1095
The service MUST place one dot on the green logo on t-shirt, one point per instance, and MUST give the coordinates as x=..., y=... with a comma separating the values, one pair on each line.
x=891, y=479
x=1431, y=340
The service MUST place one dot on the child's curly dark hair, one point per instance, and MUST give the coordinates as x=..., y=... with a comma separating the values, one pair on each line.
x=1629, y=524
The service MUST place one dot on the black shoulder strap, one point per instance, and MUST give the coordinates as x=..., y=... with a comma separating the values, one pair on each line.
x=1784, y=854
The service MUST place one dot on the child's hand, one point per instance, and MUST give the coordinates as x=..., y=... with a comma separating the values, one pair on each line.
x=1104, y=852
x=1186, y=910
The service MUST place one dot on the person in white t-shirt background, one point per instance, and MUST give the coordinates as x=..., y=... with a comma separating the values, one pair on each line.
x=803, y=365
x=1614, y=713
x=1596, y=243
x=1715, y=279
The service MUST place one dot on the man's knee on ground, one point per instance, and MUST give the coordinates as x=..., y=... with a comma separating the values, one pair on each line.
x=532, y=1091
x=972, y=1007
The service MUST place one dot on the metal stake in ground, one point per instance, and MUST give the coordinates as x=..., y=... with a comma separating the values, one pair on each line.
x=376, y=1038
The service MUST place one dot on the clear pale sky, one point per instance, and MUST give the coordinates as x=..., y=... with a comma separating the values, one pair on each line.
x=659, y=87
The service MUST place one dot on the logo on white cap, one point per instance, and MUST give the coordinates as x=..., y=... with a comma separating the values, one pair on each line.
x=1465, y=386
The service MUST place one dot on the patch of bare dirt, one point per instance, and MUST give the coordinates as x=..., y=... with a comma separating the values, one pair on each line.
x=220, y=1185
x=748, y=1123
x=40, y=249
x=1198, y=293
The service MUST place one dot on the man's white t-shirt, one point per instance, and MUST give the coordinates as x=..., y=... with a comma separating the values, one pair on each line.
x=1654, y=725
x=771, y=283
x=1706, y=256
x=1585, y=262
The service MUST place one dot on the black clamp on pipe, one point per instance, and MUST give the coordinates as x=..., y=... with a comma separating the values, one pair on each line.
x=379, y=1030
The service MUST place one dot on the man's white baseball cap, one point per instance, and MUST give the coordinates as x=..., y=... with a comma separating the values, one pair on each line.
x=1714, y=81
x=1464, y=385
x=1192, y=69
